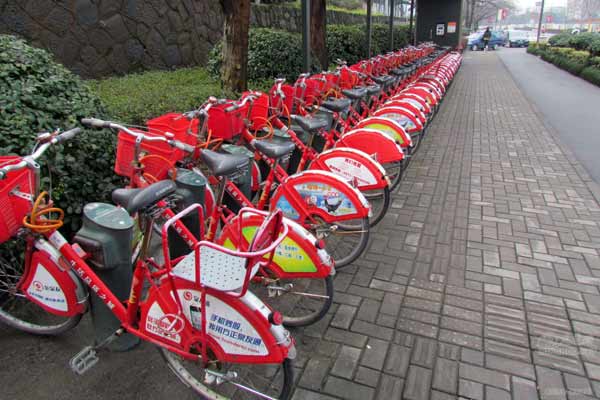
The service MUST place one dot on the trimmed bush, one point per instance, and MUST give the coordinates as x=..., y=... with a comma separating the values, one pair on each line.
x=273, y=53
x=560, y=40
x=39, y=95
x=592, y=75
x=595, y=46
x=135, y=98
x=582, y=41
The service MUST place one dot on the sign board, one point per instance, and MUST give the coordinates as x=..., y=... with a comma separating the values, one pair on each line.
x=549, y=19
x=451, y=27
x=439, y=29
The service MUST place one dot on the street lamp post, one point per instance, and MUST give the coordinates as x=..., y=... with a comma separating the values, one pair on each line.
x=540, y=22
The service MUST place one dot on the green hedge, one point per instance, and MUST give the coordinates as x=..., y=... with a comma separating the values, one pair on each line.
x=135, y=98
x=273, y=53
x=577, y=62
x=38, y=95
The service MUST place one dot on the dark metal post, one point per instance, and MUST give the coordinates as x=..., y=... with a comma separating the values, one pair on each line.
x=306, y=35
x=369, y=6
x=540, y=22
x=410, y=29
x=391, y=25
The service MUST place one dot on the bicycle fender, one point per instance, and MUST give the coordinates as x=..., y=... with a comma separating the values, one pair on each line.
x=52, y=284
x=402, y=116
x=379, y=146
x=412, y=108
x=320, y=193
x=389, y=127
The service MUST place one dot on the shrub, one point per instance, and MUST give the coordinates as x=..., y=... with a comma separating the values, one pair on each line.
x=595, y=46
x=595, y=62
x=582, y=41
x=135, y=98
x=346, y=42
x=36, y=95
x=533, y=48
x=560, y=40
x=273, y=53
x=591, y=74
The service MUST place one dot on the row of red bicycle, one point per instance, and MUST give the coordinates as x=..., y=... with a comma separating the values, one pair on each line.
x=271, y=192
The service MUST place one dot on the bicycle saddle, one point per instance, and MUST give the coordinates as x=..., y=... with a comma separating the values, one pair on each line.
x=223, y=164
x=372, y=90
x=336, y=105
x=274, y=149
x=356, y=93
x=382, y=80
x=310, y=124
x=134, y=200
x=397, y=71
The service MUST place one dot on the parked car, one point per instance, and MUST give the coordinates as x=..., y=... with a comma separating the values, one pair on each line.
x=475, y=40
x=518, y=39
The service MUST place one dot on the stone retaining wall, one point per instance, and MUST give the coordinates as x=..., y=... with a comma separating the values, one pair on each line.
x=97, y=38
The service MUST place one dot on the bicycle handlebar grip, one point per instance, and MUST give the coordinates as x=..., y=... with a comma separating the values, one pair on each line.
x=183, y=146
x=232, y=108
x=68, y=135
x=95, y=123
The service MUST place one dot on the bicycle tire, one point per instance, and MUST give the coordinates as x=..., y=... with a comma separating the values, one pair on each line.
x=394, y=171
x=362, y=229
x=14, y=307
x=380, y=211
x=316, y=313
x=174, y=363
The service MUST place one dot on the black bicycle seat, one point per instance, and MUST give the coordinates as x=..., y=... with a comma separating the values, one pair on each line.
x=382, y=80
x=356, y=93
x=310, y=124
x=223, y=164
x=372, y=90
x=274, y=150
x=397, y=71
x=336, y=105
x=134, y=200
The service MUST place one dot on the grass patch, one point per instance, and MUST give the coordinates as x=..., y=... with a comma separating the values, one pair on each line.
x=135, y=98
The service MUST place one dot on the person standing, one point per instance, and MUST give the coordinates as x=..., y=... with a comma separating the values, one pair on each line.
x=487, y=35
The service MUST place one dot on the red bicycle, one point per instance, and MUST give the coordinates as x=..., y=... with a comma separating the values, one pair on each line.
x=213, y=333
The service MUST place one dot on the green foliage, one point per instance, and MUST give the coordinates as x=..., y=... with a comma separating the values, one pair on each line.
x=273, y=53
x=595, y=46
x=591, y=74
x=595, y=62
x=135, y=98
x=560, y=39
x=533, y=48
x=582, y=41
x=346, y=42
x=37, y=94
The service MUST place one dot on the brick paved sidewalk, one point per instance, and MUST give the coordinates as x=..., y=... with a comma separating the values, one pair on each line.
x=483, y=280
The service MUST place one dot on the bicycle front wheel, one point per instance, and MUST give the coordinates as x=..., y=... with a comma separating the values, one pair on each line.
x=15, y=309
x=233, y=381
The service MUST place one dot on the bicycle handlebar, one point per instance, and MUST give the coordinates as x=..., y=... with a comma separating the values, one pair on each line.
x=99, y=123
x=28, y=160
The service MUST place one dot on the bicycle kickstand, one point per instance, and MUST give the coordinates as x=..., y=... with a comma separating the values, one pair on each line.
x=83, y=361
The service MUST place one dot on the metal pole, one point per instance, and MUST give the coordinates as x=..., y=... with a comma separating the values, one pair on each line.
x=391, y=25
x=306, y=35
x=369, y=5
x=540, y=22
x=410, y=29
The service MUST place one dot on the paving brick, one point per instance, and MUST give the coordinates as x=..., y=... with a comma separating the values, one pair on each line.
x=367, y=376
x=424, y=352
x=348, y=389
x=346, y=362
x=372, y=330
x=524, y=389
x=314, y=373
x=375, y=353
x=390, y=387
x=470, y=390
x=485, y=376
x=343, y=316
x=417, y=383
x=445, y=375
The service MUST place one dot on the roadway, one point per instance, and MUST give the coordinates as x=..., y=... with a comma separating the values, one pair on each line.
x=569, y=105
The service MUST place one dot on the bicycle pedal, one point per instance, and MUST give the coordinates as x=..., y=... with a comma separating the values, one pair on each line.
x=84, y=360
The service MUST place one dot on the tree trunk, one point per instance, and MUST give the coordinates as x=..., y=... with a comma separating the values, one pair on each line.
x=318, y=43
x=235, y=44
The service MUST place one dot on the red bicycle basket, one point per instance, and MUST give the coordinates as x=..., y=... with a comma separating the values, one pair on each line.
x=12, y=207
x=184, y=130
x=288, y=103
x=259, y=111
x=126, y=152
x=226, y=125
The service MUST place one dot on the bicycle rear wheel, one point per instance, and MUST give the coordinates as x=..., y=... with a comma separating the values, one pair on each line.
x=380, y=203
x=394, y=172
x=301, y=301
x=15, y=309
x=345, y=240
x=238, y=381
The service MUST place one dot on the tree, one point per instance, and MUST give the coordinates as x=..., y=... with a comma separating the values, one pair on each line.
x=478, y=10
x=318, y=32
x=235, y=44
